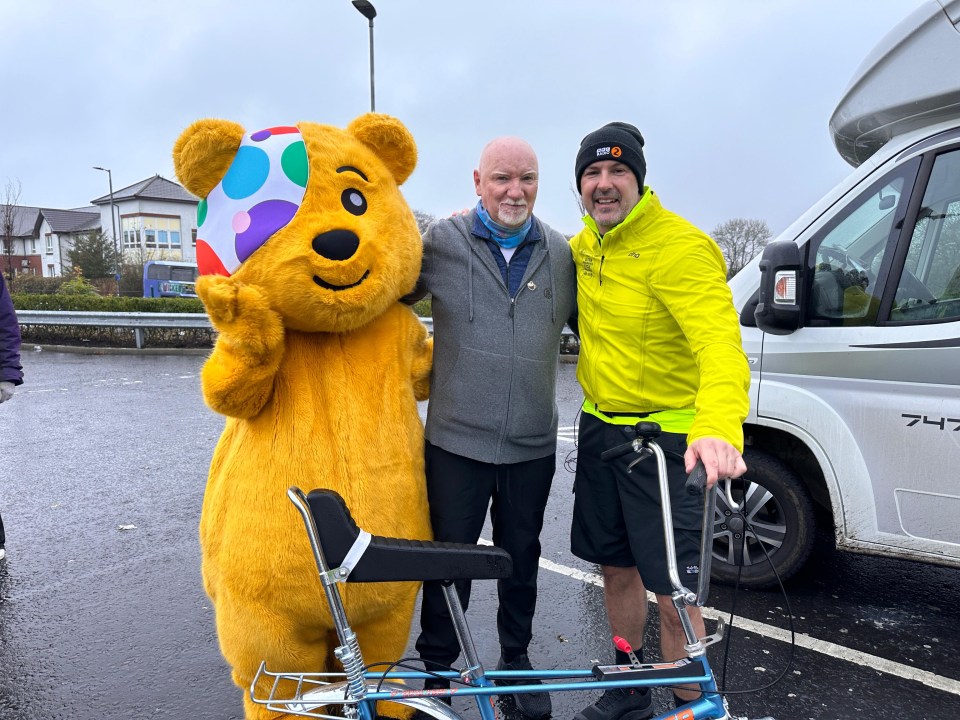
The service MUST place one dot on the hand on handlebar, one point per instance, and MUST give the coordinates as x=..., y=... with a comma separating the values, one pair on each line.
x=720, y=459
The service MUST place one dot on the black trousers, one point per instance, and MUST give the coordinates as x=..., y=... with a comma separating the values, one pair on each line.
x=3, y=535
x=459, y=490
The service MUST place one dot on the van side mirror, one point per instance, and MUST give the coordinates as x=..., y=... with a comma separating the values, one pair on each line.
x=778, y=309
x=886, y=201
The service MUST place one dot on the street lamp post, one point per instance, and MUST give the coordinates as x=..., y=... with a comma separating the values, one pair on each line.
x=113, y=224
x=367, y=9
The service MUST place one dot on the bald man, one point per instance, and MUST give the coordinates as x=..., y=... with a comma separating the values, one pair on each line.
x=503, y=286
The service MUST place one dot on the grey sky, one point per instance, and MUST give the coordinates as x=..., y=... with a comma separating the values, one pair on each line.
x=733, y=97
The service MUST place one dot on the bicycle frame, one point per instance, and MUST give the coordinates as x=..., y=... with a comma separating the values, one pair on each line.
x=357, y=690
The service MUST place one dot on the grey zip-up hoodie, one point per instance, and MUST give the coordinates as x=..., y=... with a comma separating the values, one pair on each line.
x=495, y=359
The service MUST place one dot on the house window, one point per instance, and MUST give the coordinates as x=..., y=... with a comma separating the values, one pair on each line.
x=49, y=238
x=193, y=236
x=161, y=233
x=130, y=229
x=51, y=272
x=33, y=246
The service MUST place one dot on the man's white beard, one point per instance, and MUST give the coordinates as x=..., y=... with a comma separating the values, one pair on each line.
x=513, y=215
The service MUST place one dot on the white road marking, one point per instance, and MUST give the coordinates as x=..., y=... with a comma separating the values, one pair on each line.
x=890, y=667
x=567, y=433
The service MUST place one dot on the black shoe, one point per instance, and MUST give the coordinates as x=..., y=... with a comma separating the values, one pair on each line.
x=533, y=705
x=620, y=704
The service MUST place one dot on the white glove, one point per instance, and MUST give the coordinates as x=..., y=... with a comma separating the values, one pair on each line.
x=6, y=391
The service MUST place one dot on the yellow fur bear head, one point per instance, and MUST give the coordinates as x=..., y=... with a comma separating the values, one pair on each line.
x=310, y=214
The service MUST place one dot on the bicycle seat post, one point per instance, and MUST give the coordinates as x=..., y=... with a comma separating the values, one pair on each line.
x=474, y=668
x=348, y=652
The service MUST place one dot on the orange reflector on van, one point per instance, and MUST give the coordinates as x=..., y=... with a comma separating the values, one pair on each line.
x=785, y=287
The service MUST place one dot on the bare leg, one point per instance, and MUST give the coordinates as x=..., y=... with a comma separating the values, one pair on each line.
x=672, y=638
x=626, y=601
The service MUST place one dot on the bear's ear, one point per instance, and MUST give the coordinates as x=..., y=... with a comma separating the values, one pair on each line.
x=203, y=153
x=390, y=140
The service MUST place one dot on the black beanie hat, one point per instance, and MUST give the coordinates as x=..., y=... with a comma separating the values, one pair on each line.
x=618, y=141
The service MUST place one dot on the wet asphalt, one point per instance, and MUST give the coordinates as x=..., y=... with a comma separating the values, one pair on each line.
x=103, y=460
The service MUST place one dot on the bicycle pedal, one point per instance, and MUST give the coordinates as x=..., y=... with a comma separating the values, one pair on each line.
x=649, y=671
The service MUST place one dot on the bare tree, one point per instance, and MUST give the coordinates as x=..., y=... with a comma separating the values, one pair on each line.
x=8, y=220
x=424, y=220
x=740, y=240
x=579, y=199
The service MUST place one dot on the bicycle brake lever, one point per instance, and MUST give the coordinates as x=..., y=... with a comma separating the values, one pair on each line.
x=643, y=456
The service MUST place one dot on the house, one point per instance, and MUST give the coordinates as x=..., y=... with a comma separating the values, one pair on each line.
x=155, y=218
x=58, y=231
x=40, y=238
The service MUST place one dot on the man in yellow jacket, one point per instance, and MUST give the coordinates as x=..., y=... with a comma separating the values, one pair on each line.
x=660, y=341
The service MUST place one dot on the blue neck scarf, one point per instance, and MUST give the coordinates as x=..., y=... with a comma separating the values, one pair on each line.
x=505, y=237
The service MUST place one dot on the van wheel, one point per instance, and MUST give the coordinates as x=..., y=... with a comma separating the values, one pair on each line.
x=779, y=520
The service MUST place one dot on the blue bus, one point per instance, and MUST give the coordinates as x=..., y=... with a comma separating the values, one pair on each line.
x=169, y=278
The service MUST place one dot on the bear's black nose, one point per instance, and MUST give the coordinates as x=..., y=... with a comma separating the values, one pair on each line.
x=336, y=244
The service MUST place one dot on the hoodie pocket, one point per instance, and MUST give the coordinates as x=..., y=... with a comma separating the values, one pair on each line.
x=474, y=395
x=533, y=408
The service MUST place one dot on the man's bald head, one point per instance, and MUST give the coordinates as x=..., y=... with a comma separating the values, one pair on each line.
x=507, y=180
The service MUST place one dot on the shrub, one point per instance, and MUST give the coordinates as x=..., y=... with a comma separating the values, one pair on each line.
x=77, y=285
x=423, y=308
x=31, y=284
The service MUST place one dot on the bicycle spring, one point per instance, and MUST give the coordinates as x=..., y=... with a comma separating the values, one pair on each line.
x=352, y=661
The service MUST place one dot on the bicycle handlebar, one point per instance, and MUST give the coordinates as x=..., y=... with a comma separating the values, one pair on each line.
x=697, y=479
x=620, y=450
x=695, y=484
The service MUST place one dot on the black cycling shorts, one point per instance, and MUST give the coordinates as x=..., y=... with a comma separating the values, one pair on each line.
x=617, y=518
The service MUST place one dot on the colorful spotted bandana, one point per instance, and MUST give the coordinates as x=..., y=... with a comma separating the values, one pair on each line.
x=259, y=195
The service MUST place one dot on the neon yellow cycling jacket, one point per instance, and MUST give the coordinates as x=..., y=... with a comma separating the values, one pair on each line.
x=658, y=330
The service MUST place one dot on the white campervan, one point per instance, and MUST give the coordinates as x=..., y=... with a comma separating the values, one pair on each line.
x=851, y=323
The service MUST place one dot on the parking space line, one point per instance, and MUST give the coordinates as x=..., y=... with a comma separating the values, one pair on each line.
x=889, y=667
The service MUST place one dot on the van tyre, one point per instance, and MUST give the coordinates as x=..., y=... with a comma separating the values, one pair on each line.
x=780, y=519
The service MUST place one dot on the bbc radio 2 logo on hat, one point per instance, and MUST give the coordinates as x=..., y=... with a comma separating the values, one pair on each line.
x=615, y=151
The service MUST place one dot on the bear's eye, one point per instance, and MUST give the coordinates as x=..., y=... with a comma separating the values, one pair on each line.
x=354, y=201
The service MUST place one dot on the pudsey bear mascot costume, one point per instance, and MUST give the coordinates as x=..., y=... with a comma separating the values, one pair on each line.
x=305, y=246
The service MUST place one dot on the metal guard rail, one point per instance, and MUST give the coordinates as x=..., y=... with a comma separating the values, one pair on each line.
x=137, y=321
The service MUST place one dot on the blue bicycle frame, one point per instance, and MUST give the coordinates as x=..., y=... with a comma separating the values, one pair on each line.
x=357, y=690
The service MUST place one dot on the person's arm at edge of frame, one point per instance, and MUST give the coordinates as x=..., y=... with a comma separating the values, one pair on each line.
x=11, y=371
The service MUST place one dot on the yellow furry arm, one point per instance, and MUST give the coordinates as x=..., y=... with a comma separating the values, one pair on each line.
x=238, y=376
x=422, y=353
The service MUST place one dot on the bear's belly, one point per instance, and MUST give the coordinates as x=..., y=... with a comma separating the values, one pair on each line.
x=339, y=419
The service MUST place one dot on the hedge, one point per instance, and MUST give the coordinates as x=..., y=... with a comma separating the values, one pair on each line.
x=110, y=303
